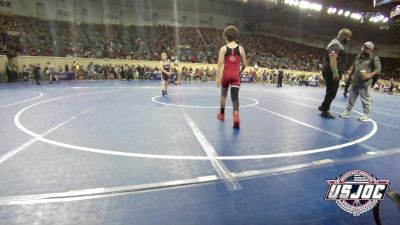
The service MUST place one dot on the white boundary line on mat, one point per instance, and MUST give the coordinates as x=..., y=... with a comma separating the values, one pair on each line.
x=28, y=100
x=153, y=99
x=22, y=147
x=106, y=192
x=175, y=157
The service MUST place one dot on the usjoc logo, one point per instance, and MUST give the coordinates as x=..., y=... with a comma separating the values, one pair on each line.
x=356, y=191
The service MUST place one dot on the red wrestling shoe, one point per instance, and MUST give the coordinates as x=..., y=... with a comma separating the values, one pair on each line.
x=221, y=116
x=236, y=120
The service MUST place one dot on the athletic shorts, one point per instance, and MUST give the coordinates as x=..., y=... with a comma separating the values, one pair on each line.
x=165, y=77
x=230, y=80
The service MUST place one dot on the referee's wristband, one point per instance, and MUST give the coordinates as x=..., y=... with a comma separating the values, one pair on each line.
x=335, y=72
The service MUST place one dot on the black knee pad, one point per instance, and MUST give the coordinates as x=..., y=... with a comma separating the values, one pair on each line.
x=235, y=98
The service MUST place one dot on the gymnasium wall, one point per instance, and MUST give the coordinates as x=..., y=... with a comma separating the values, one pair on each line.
x=84, y=62
x=3, y=61
x=61, y=61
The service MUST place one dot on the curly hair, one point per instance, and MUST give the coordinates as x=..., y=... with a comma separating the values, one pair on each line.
x=231, y=33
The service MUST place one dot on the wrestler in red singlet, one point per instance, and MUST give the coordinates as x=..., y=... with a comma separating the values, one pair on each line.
x=230, y=57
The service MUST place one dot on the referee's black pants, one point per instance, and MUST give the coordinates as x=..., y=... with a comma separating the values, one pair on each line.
x=280, y=79
x=331, y=90
x=37, y=77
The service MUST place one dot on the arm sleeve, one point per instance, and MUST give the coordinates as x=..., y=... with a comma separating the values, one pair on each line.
x=377, y=64
x=334, y=50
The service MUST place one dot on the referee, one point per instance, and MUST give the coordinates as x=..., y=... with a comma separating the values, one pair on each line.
x=333, y=68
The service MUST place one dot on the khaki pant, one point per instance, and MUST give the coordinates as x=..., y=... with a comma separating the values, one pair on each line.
x=364, y=92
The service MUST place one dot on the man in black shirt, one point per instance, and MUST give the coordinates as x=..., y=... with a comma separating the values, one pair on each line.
x=8, y=72
x=140, y=70
x=333, y=68
x=36, y=73
x=280, y=77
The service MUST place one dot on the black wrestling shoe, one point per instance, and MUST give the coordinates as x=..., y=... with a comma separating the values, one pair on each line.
x=327, y=115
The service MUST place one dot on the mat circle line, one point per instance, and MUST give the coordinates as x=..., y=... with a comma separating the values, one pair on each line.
x=153, y=99
x=17, y=122
x=28, y=100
